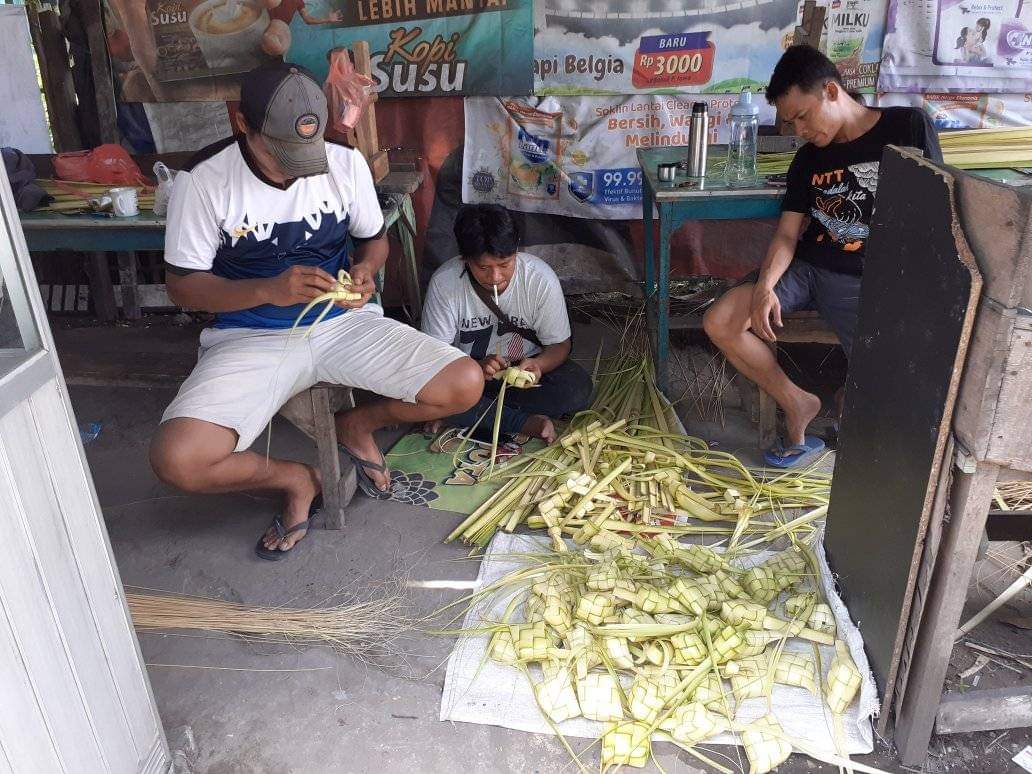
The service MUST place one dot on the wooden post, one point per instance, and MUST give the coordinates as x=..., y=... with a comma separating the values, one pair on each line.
x=54, y=68
x=101, y=289
x=129, y=281
x=768, y=411
x=311, y=411
x=807, y=33
x=92, y=15
x=406, y=225
x=366, y=138
x=970, y=498
x=329, y=458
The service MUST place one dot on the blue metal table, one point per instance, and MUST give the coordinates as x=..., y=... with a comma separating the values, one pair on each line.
x=93, y=233
x=676, y=202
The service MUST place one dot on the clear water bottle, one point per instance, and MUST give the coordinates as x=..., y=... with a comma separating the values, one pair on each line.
x=741, y=144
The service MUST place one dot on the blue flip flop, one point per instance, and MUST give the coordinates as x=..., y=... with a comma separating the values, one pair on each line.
x=781, y=456
x=275, y=554
x=365, y=483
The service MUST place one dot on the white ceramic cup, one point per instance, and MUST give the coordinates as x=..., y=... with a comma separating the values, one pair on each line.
x=124, y=202
x=237, y=51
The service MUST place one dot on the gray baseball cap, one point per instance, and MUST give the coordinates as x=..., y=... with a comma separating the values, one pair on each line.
x=287, y=106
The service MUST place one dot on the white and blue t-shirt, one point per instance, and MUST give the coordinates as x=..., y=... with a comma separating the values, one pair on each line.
x=225, y=217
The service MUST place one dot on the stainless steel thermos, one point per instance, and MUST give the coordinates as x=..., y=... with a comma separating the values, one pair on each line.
x=698, y=139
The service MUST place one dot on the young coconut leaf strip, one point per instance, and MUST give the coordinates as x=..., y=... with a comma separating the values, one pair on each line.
x=622, y=464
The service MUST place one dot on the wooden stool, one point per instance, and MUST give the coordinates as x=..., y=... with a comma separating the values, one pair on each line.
x=800, y=328
x=311, y=411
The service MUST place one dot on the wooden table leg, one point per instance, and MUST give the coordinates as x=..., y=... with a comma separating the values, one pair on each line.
x=329, y=458
x=406, y=226
x=101, y=289
x=130, y=285
x=768, y=413
x=969, y=508
x=666, y=231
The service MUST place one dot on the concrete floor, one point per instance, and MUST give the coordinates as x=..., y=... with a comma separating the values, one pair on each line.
x=339, y=715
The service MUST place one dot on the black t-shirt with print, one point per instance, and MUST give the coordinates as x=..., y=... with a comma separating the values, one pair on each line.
x=835, y=187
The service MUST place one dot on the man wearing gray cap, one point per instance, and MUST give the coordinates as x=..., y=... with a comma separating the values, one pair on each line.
x=258, y=225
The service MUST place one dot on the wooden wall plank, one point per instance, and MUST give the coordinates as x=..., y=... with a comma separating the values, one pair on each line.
x=81, y=516
x=92, y=15
x=969, y=497
x=58, y=559
x=925, y=573
x=997, y=222
x=904, y=372
x=26, y=744
x=6, y=767
x=55, y=70
x=41, y=643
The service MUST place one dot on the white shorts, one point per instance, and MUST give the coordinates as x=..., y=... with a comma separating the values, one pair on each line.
x=244, y=375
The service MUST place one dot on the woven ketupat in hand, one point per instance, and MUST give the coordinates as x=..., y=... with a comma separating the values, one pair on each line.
x=516, y=377
x=341, y=292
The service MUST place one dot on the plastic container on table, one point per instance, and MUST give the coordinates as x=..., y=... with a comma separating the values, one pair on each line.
x=744, y=126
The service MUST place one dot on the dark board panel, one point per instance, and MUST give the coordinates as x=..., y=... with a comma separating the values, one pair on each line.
x=917, y=304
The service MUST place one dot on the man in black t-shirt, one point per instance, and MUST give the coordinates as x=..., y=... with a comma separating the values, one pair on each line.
x=816, y=257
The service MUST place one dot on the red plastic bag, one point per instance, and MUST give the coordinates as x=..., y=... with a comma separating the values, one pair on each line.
x=347, y=92
x=108, y=164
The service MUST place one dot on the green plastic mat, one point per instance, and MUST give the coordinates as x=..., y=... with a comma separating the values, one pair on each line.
x=425, y=469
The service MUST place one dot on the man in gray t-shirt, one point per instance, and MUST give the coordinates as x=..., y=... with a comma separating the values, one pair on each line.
x=533, y=332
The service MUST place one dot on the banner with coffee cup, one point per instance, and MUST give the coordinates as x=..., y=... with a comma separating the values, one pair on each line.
x=196, y=50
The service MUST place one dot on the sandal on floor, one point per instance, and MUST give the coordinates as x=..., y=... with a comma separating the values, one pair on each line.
x=275, y=554
x=365, y=483
x=781, y=456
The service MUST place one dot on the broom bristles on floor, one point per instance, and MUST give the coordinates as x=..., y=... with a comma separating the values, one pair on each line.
x=1016, y=494
x=356, y=627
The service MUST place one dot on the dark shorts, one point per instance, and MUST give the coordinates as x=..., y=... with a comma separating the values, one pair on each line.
x=833, y=295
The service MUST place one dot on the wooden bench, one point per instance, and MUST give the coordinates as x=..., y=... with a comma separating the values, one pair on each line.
x=311, y=411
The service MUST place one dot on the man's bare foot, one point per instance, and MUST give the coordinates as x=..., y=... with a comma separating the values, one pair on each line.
x=538, y=426
x=295, y=510
x=799, y=415
x=362, y=443
x=434, y=427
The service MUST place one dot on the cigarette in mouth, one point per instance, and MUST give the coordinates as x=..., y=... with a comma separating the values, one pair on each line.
x=495, y=288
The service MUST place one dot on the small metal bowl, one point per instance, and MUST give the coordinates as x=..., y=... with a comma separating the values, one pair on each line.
x=666, y=172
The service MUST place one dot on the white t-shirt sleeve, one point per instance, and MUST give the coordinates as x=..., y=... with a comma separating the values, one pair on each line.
x=440, y=316
x=552, y=324
x=192, y=231
x=366, y=216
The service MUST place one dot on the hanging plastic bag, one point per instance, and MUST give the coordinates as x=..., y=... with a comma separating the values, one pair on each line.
x=347, y=92
x=107, y=164
x=165, y=180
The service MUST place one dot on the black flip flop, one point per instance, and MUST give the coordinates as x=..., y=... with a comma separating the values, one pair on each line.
x=275, y=554
x=365, y=483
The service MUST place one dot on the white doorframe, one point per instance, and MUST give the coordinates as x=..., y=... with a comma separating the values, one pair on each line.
x=74, y=692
